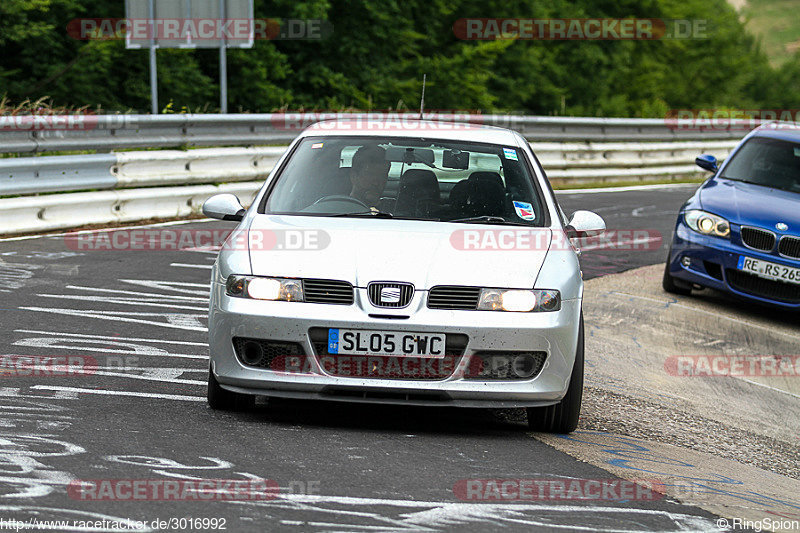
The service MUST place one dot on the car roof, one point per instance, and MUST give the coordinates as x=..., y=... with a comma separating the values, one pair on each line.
x=400, y=127
x=787, y=131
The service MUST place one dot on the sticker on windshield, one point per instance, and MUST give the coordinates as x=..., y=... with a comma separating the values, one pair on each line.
x=316, y=145
x=797, y=152
x=510, y=154
x=524, y=210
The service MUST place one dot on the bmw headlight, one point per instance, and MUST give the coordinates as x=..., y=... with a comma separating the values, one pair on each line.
x=521, y=301
x=707, y=224
x=258, y=288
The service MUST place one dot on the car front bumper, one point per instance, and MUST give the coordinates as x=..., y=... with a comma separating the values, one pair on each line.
x=555, y=333
x=704, y=252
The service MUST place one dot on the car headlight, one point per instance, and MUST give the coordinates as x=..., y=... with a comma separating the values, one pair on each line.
x=707, y=224
x=258, y=288
x=521, y=301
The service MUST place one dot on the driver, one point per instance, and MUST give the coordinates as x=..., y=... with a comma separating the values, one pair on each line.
x=369, y=174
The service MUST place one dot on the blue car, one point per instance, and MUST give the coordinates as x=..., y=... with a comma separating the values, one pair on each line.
x=740, y=232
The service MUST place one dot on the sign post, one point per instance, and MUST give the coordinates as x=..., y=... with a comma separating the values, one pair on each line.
x=192, y=18
x=223, y=65
x=153, y=64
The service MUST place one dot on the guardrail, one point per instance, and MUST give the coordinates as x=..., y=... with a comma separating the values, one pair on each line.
x=130, y=186
x=120, y=132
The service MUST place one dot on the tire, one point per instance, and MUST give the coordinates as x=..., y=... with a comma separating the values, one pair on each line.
x=220, y=399
x=673, y=286
x=563, y=416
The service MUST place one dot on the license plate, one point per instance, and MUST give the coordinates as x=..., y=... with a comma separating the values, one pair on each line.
x=769, y=270
x=396, y=343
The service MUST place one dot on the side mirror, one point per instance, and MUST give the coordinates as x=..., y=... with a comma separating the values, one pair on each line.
x=224, y=207
x=707, y=162
x=585, y=224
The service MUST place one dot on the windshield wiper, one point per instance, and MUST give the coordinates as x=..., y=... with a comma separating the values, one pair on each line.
x=376, y=213
x=488, y=219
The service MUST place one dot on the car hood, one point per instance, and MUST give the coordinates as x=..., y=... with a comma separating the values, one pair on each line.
x=745, y=203
x=360, y=251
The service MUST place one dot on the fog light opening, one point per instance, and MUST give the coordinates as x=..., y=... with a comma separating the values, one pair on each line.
x=524, y=366
x=686, y=261
x=252, y=353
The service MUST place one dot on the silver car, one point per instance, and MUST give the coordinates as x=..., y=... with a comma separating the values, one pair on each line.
x=410, y=262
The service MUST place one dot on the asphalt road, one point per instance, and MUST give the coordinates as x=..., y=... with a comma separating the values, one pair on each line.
x=141, y=415
x=640, y=223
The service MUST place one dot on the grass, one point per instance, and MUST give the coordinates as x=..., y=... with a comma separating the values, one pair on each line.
x=566, y=185
x=777, y=24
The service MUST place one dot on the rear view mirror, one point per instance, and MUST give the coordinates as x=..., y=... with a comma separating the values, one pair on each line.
x=399, y=154
x=585, y=224
x=224, y=207
x=707, y=162
x=455, y=159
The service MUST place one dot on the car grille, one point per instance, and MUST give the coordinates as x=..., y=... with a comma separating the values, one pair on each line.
x=759, y=239
x=401, y=294
x=327, y=291
x=452, y=297
x=389, y=367
x=270, y=354
x=765, y=288
x=790, y=247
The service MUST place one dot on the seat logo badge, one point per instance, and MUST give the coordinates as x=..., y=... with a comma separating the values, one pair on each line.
x=390, y=295
x=781, y=226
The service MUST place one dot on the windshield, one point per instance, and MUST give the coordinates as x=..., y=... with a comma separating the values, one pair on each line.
x=768, y=162
x=407, y=178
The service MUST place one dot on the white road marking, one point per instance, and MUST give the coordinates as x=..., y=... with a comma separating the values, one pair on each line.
x=212, y=250
x=177, y=286
x=638, y=211
x=188, y=322
x=155, y=370
x=185, y=265
x=50, y=343
x=111, y=338
x=105, y=392
x=122, y=301
x=416, y=515
x=163, y=297
x=628, y=188
x=121, y=228
x=718, y=315
x=770, y=388
x=152, y=378
x=632, y=242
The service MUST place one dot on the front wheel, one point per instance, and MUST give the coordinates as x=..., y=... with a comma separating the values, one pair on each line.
x=220, y=399
x=673, y=286
x=563, y=416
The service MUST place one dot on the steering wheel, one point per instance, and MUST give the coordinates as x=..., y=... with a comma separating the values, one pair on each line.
x=341, y=198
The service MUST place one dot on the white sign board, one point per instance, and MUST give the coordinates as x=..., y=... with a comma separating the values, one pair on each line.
x=189, y=23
